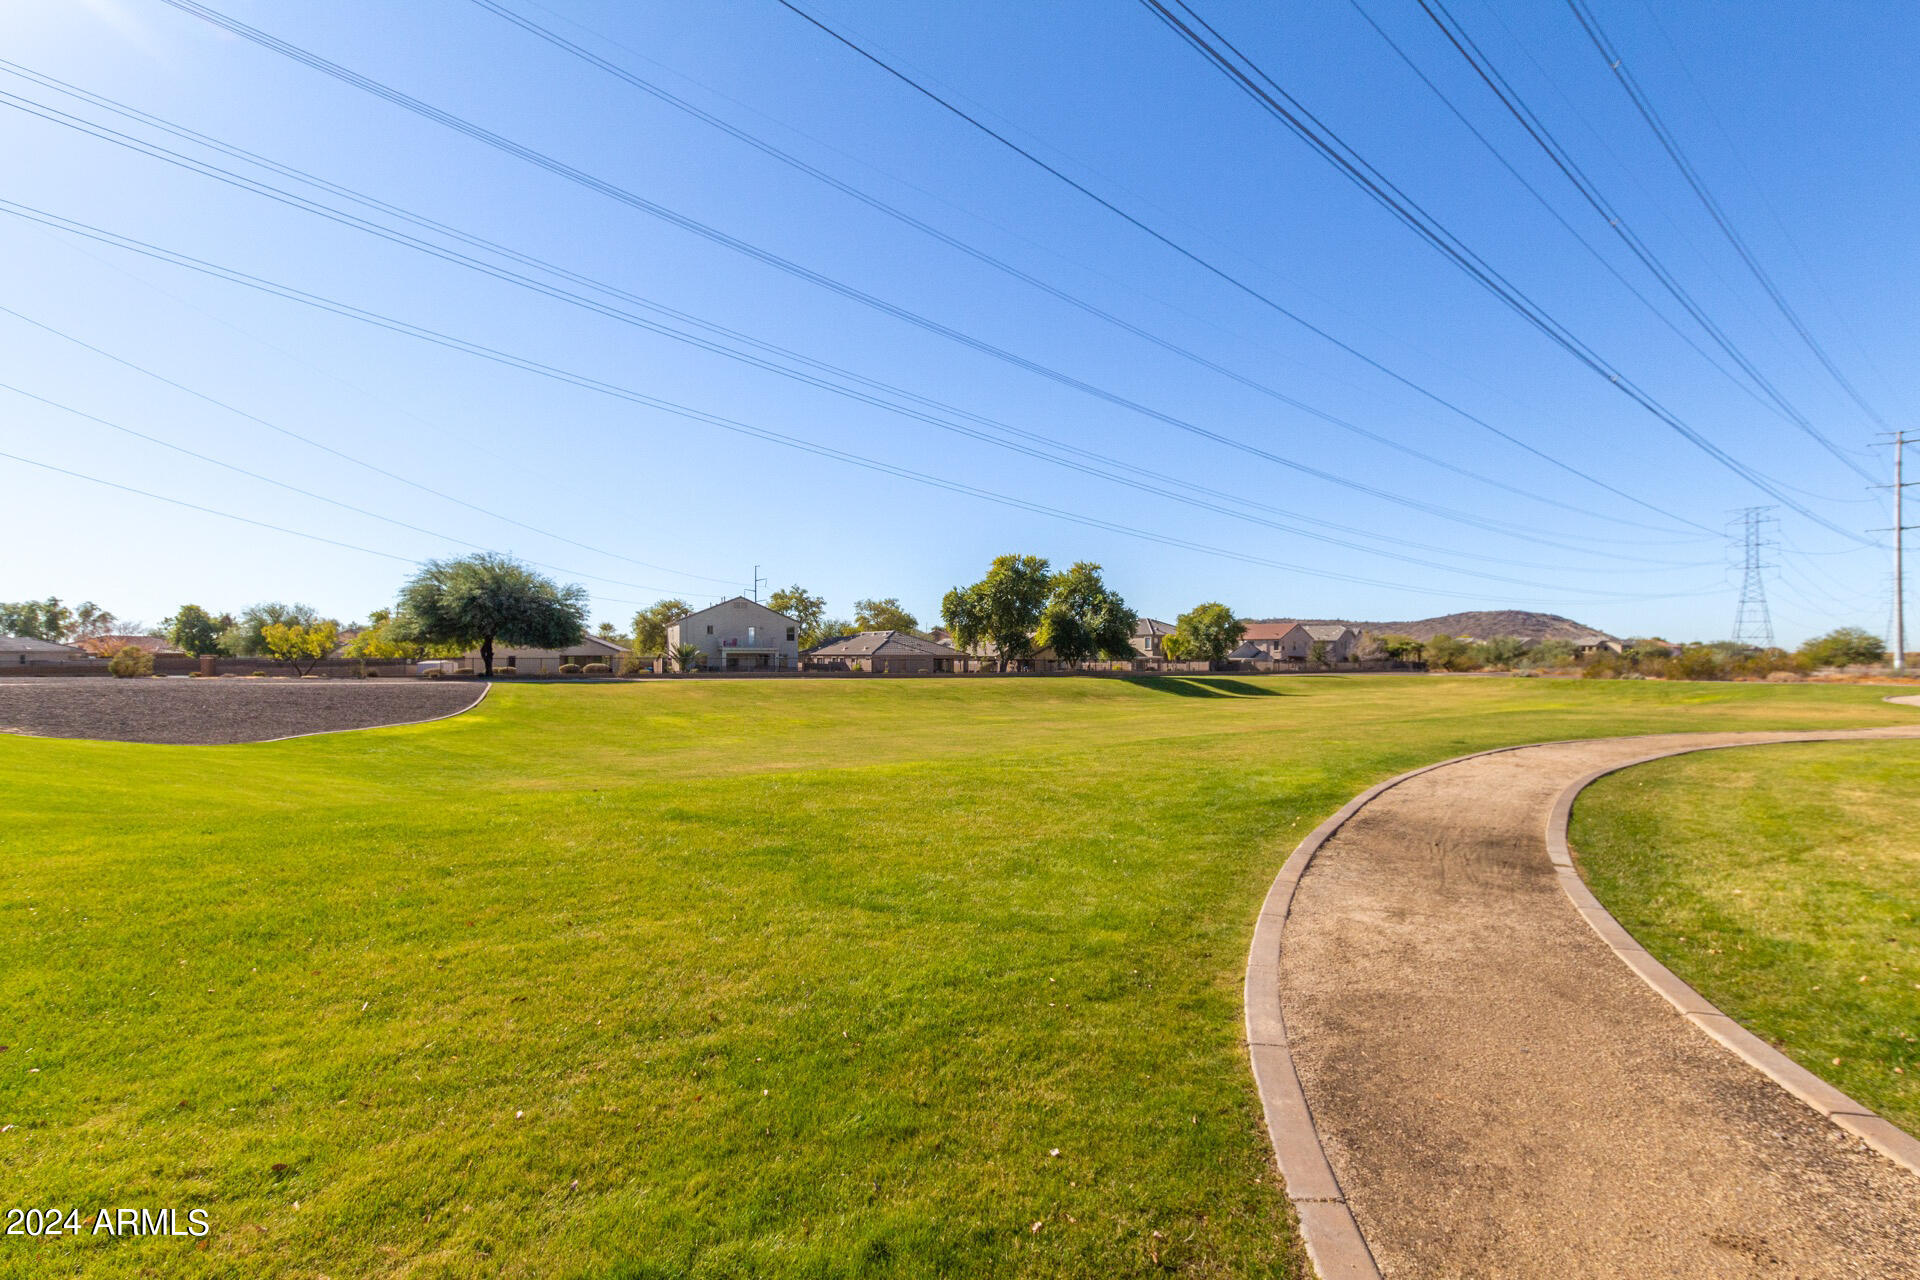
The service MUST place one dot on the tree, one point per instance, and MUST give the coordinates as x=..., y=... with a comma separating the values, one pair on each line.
x=192, y=630
x=1402, y=648
x=1084, y=618
x=1449, y=653
x=1503, y=653
x=37, y=619
x=377, y=641
x=247, y=636
x=1845, y=647
x=296, y=644
x=90, y=622
x=883, y=615
x=1549, y=653
x=1207, y=632
x=831, y=629
x=688, y=656
x=481, y=598
x=651, y=623
x=806, y=609
x=1317, y=653
x=1002, y=609
x=606, y=631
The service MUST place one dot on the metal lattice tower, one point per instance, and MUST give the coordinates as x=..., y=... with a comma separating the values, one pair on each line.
x=1752, y=622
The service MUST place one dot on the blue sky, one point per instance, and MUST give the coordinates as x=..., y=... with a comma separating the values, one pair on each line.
x=1800, y=119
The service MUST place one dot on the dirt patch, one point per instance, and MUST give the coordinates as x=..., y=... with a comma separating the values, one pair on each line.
x=220, y=711
x=1500, y=1097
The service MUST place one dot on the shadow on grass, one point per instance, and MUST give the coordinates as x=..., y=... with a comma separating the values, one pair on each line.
x=1204, y=687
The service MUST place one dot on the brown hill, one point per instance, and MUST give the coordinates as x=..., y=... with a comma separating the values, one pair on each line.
x=1481, y=624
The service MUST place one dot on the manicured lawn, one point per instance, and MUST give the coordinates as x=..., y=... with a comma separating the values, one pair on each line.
x=711, y=979
x=1784, y=884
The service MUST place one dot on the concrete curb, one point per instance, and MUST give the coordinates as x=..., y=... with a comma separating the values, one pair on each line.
x=1855, y=1117
x=1334, y=1242
x=486, y=687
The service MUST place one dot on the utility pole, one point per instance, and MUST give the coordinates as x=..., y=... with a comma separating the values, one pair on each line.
x=1899, y=531
x=757, y=581
x=1752, y=622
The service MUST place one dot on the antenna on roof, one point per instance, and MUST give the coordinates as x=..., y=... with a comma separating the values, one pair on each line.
x=757, y=580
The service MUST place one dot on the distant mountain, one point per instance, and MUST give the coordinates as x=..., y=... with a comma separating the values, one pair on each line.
x=1481, y=624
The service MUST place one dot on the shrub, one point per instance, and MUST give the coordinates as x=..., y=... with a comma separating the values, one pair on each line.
x=255, y=675
x=596, y=669
x=633, y=664
x=498, y=672
x=131, y=661
x=1845, y=647
x=569, y=668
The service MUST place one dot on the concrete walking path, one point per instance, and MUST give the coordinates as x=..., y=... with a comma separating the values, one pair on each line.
x=1456, y=1063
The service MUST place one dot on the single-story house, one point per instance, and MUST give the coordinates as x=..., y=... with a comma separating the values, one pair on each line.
x=19, y=651
x=1150, y=635
x=1587, y=648
x=547, y=662
x=739, y=635
x=887, y=652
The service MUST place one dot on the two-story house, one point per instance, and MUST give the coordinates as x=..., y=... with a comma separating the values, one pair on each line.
x=739, y=635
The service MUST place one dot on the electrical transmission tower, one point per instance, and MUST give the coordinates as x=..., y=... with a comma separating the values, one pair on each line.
x=1899, y=532
x=1752, y=623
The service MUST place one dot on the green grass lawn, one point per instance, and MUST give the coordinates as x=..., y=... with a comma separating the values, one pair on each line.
x=1784, y=884
x=837, y=978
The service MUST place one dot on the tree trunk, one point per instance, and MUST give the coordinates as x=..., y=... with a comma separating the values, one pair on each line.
x=486, y=655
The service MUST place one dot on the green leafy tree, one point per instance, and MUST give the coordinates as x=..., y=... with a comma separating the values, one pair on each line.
x=192, y=630
x=1845, y=647
x=481, y=598
x=1549, y=653
x=1402, y=648
x=1002, y=609
x=1317, y=653
x=37, y=619
x=1450, y=653
x=1502, y=653
x=377, y=641
x=805, y=608
x=883, y=615
x=246, y=638
x=299, y=645
x=651, y=623
x=1207, y=632
x=1698, y=662
x=689, y=657
x=1084, y=618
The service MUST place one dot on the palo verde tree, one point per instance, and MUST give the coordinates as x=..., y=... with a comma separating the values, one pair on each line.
x=1084, y=618
x=300, y=646
x=247, y=637
x=479, y=599
x=1205, y=633
x=1002, y=609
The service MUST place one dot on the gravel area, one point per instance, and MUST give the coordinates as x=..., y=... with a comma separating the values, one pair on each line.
x=218, y=711
x=1500, y=1096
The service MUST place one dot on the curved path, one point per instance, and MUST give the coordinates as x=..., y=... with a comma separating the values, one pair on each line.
x=1456, y=1064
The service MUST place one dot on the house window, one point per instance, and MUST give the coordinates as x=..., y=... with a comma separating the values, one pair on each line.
x=752, y=636
x=513, y=660
x=709, y=628
x=789, y=635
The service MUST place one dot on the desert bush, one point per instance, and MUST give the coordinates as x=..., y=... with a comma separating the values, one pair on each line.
x=1784, y=677
x=569, y=668
x=1845, y=647
x=1502, y=653
x=596, y=669
x=1697, y=662
x=1603, y=666
x=633, y=664
x=131, y=661
x=1450, y=653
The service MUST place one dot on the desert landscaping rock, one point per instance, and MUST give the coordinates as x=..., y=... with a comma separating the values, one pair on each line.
x=1499, y=1096
x=221, y=711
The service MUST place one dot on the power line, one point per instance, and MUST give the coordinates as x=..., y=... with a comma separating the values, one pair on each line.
x=1219, y=272
x=310, y=206
x=784, y=157
x=1247, y=76
x=1668, y=143
x=1536, y=128
x=712, y=234
x=615, y=391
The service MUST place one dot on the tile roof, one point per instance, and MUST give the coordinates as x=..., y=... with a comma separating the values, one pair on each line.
x=29, y=644
x=1267, y=630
